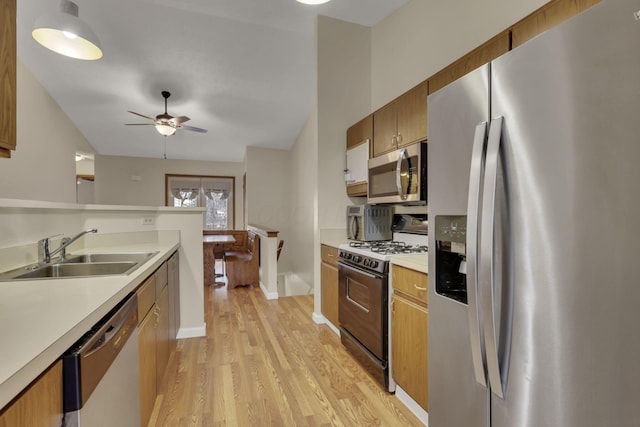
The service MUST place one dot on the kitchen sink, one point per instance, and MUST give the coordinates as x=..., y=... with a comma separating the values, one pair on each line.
x=112, y=257
x=84, y=265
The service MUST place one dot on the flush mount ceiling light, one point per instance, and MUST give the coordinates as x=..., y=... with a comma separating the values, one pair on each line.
x=64, y=33
x=313, y=1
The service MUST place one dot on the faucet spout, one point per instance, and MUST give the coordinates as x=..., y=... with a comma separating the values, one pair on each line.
x=45, y=253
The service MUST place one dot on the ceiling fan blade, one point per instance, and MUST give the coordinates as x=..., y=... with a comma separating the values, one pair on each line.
x=142, y=115
x=139, y=124
x=181, y=119
x=192, y=128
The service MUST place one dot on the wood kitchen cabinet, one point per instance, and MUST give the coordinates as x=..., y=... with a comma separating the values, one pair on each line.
x=40, y=404
x=359, y=137
x=409, y=324
x=329, y=283
x=481, y=55
x=147, y=354
x=548, y=16
x=155, y=317
x=8, y=62
x=173, y=278
x=401, y=122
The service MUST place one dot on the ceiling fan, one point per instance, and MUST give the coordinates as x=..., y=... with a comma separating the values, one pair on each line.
x=165, y=123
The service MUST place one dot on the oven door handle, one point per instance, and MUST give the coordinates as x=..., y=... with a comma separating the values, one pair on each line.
x=359, y=271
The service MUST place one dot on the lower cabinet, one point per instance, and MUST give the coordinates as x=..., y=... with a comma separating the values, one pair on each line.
x=409, y=324
x=147, y=364
x=329, y=284
x=40, y=404
x=157, y=312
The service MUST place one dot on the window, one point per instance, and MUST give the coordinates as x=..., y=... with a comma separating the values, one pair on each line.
x=215, y=193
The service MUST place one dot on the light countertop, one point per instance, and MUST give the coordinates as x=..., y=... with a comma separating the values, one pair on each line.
x=41, y=319
x=418, y=262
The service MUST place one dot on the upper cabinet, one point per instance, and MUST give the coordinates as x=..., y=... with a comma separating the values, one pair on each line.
x=401, y=122
x=359, y=138
x=481, y=55
x=548, y=16
x=8, y=61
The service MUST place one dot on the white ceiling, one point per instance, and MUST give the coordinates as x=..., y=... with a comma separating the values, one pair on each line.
x=243, y=69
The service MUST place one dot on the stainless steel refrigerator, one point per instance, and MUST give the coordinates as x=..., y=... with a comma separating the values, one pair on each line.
x=534, y=245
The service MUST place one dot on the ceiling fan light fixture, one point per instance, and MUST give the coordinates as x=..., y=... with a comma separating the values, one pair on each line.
x=64, y=33
x=165, y=129
x=313, y=1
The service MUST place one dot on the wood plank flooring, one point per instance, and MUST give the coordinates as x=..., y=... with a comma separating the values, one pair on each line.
x=266, y=363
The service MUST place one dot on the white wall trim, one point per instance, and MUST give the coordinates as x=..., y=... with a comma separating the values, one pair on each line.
x=267, y=294
x=412, y=405
x=198, y=331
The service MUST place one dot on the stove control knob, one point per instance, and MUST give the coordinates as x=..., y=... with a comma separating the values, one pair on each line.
x=373, y=264
x=366, y=262
x=357, y=258
x=347, y=255
x=341, y=254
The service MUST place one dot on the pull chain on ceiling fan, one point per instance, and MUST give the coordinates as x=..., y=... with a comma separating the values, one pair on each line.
x=165, y=123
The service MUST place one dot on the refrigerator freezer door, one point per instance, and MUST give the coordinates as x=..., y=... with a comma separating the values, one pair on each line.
x=455, y=398
x=570, y=99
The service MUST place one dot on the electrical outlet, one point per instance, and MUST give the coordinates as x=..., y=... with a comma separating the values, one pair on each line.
x=147, y=220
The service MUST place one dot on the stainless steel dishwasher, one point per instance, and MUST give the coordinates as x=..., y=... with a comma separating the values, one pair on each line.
x=100, y=372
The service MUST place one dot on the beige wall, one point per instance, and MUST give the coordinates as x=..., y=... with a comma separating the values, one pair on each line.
x=344, y=97
x=43, y=166
x=141, y=181
x=268, y=193
x=300, y=245
x=423, y=37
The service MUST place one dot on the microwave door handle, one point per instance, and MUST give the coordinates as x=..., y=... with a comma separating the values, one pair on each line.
x=403, y=154
x=353, y=226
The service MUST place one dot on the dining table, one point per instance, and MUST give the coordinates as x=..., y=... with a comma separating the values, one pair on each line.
x=212, y=245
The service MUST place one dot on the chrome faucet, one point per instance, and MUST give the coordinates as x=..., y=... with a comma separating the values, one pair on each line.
x=45, y=253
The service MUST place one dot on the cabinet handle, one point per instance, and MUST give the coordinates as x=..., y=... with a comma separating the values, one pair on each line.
x=394, y=140
x=399, y=138
x=419, y=287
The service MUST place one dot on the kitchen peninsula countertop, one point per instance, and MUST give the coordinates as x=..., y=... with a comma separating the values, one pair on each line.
x=41, y=319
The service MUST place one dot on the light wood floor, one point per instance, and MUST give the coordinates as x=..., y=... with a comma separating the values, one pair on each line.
x=266, y=363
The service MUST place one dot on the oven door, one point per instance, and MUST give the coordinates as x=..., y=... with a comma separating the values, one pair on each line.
x=362, y=308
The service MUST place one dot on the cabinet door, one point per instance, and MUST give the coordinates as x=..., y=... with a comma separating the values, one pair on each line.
x=384, y=129
x=409, y=348
x=147, y=364
x=412, y=115
x=40, y=405
x=548, y=16
x=329, y=292
x=360, y=132
x=481, y=55
x=8, y=62
x=163, y=348
x=174, y=299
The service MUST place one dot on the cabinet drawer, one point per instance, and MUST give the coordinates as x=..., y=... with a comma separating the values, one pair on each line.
x=146, y=297
x=161, y=278
x=329, y=254
x=411, y=282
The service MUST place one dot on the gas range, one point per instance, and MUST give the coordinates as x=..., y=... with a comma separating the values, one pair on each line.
x=375, y=255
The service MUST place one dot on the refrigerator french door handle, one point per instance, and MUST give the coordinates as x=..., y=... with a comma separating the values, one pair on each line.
x=486, y=267
x=401, y=156
x=473, y=212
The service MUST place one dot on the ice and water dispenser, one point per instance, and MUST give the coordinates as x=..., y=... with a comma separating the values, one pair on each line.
x=451, y=239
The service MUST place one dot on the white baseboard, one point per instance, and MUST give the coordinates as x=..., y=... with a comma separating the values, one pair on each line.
x=267, y=294
x=412, y=405
x=198, y=331
x=320, y=319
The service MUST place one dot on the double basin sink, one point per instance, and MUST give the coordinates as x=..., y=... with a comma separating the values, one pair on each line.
x=85, y=265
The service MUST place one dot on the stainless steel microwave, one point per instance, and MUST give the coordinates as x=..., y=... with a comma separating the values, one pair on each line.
x=399, y=176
